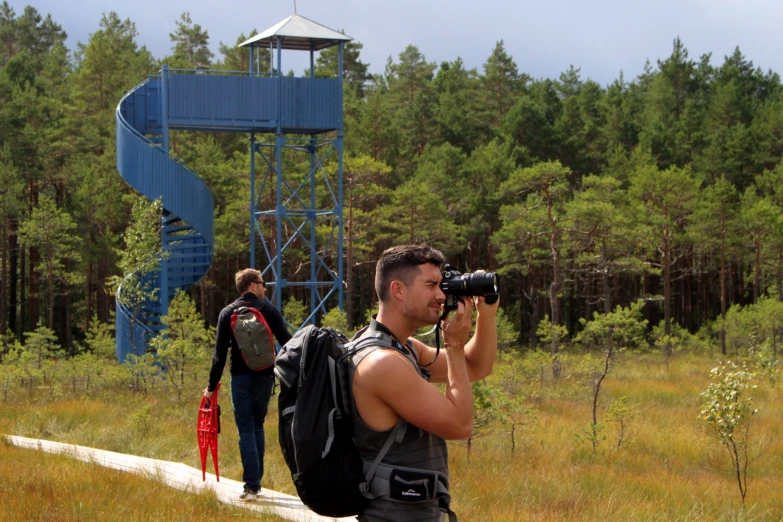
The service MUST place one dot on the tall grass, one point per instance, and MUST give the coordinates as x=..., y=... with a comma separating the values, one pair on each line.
x=666, y=469
x=40, y=486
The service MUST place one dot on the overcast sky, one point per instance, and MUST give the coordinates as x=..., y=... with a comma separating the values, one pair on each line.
x=602, y=37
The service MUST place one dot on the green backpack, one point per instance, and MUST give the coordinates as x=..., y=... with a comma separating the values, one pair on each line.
x=253, y=337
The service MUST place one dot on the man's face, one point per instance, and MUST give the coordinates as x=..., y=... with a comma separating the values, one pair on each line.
x=423, y=297
x=258, y=287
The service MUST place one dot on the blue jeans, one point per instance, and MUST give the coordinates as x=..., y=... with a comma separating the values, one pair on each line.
x=250, y=398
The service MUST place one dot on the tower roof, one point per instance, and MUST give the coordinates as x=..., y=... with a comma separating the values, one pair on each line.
x=298, y=33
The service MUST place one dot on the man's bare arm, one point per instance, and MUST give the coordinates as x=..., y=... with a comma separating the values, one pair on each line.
x=390, y=378
x=480, y=351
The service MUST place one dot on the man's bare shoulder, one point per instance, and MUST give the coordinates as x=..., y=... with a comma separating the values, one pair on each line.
x=380, y=362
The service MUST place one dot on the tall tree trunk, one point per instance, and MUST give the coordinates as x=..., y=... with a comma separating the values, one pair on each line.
x=554, y=291
x=756, y=274
x=723, y=291
x=23, y=317
x=688, y=303
x=779, y=275
x=33, y=256
x=667, y=286
x=51, y=292
x=4, y=280
x=349, y=259
x=102, y=299
x=667, y=294
x=605, y=279
x=203, y=296
x=68, y=321
x=534, y=309
x=89, y=278
x=13, y=276
x=32, y=283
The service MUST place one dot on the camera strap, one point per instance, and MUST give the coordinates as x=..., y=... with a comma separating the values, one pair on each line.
x=437, y=339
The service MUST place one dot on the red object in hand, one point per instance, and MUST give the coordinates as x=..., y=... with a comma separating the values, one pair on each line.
x=208, y=428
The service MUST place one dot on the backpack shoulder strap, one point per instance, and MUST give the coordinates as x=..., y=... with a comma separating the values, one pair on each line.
x=396, y=433
x=378, y=340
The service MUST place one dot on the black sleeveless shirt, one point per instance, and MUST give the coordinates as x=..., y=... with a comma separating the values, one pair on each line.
x=417, y=449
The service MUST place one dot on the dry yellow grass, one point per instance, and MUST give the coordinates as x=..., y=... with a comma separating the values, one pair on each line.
x=667, y=468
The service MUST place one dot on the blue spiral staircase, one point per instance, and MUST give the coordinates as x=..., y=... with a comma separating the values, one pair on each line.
x=187, y=228
x=252, y=102
x=200, y=101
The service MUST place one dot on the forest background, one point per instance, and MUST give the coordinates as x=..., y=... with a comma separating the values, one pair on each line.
x=666, y=187
x=637, y=228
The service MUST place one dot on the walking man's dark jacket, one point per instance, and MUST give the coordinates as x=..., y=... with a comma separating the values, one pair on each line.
x=225, y=338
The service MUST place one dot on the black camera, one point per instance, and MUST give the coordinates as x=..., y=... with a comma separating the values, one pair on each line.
x=456, y=285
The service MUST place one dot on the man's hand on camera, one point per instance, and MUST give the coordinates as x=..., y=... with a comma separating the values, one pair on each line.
x=486, y=309
x=457, y=324
x=481, y=305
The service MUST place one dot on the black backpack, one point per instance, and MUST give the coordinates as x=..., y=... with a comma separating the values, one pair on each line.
x=314, y=408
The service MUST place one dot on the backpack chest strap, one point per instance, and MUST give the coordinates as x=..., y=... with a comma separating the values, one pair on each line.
x=402, y=484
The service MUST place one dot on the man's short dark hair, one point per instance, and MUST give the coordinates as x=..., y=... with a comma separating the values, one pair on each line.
x=401, y=263
x=244, y=278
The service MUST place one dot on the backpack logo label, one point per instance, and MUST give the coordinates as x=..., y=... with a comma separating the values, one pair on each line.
x=410, y=493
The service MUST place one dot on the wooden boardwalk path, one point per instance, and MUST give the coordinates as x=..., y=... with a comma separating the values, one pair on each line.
x=180, y=476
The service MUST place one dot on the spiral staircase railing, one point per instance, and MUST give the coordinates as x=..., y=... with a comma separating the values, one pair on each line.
x=187, y=229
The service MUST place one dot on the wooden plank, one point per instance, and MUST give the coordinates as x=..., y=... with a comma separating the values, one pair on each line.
x=181, y=476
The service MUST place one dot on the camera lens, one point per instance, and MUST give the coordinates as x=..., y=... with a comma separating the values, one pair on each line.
x=481, y=283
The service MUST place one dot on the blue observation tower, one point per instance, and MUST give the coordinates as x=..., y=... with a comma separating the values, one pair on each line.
x=295, y=127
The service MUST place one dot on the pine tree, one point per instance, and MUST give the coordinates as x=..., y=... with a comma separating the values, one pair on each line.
x=191, y=44
x=11, y=190
x=501, y=83
x=52, y=230
x=715, y=229
x=664, y=200
x=541, y=216
x=237, y=58
x=355, y=72
x=29, y=32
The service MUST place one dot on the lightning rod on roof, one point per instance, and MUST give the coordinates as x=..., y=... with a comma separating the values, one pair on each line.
x=294, y=6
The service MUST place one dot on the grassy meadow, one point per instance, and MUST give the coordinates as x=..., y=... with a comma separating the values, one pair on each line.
x=667, y=467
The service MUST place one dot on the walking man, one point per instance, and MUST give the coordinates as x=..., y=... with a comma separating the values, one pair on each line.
x=250, y=389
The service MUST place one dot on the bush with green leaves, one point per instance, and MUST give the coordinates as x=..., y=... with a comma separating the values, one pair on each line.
x=141, y=420
x=484, y=410
x=620, y=413
x=142, y=372
x=508, y=336
x=11, y=368
x=336, y=319
x=768, y=362
x=610, y=332
x=749, y=325
x=294, y=312
x=515, y=412
x=139, y=261
x=728, y=410
x=185, y=344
